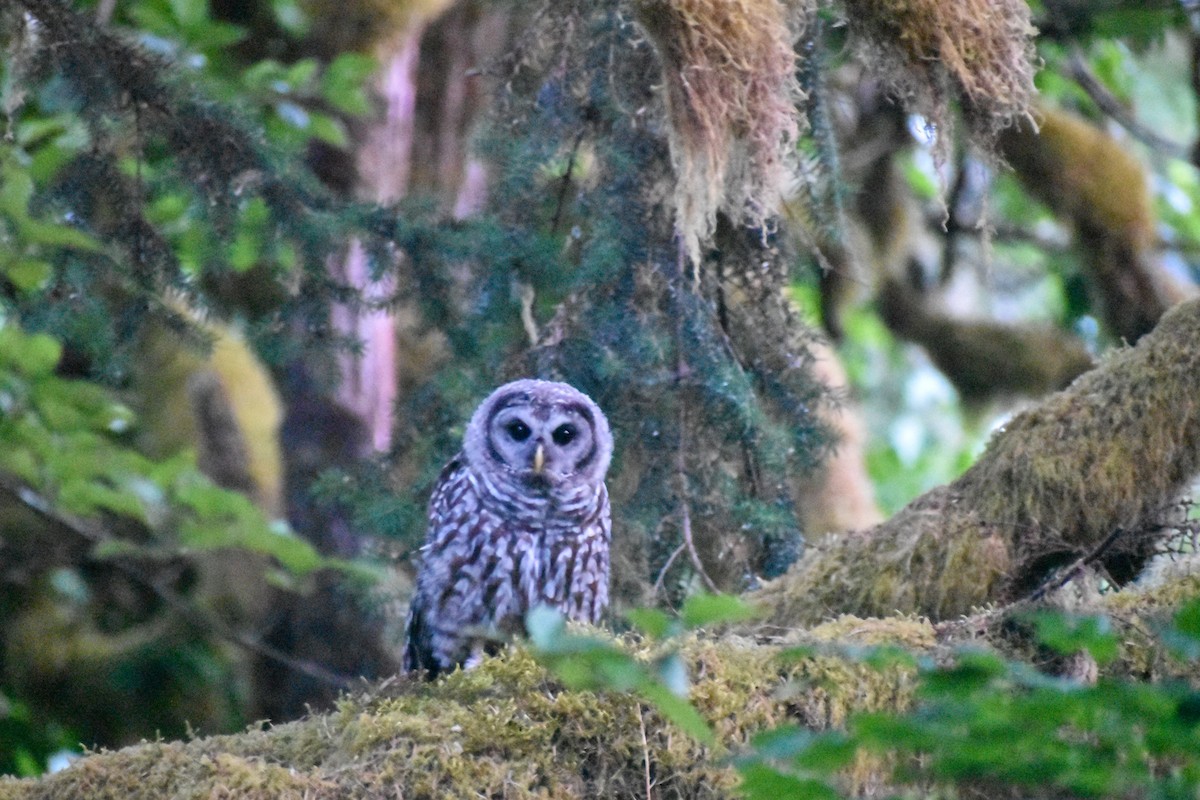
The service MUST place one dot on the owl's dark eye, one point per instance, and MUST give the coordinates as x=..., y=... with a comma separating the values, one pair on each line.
x=563, y=434
x=518, y=430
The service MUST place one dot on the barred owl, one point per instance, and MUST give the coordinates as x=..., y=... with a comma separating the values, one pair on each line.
x=518, y=518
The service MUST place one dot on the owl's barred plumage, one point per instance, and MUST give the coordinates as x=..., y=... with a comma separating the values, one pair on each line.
x=519, y=518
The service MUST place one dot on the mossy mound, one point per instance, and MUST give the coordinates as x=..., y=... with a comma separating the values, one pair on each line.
x=1111, y=452
x=508, y=730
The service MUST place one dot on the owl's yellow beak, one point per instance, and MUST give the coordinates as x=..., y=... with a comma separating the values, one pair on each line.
x=539, y=459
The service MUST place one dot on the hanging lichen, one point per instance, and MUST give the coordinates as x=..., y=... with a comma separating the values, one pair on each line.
x=931, y=52
x=728, y=72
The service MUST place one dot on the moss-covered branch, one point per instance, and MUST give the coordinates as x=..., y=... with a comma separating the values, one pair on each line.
x=1111, y=451
x=1097, y=184
x=985, y=358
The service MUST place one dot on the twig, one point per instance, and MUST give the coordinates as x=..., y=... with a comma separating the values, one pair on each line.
x=658, y=582
x=527, y=320
x=95, y=534
x=565, y=184
x=1113, y=107
x=645, y=750
x=686, y=524
x=682, y=372
x=1076, y=569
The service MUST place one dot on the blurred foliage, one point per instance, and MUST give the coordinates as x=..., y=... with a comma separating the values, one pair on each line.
x=130, y=183
x=26, y=743
x=980, y=724
x=983, y=724
x=1025, y=270
x=62, y=444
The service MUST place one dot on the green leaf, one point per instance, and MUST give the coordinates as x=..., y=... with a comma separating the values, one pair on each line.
x=342, y=84
x=16, y=189
x=1069, y=634
x=679, y=711
x=299, y=74
x=545, y=627
x=31, y=132
x=329, y=130
x=86, y=497
x=886, y=657
x=29, y=274
x=599, y=665
x=974, y=670
x=824, y=752
x=167, y=208
x=37, y=355
x=1187, y=619
x=764, y=782
x=1183, y=637
x=652, y=622
x=47, y=161
x=20, y=462
x=781, y=743
x=799, y=653
x=124, y=548
x=55, y=235
x=261, y=76
x=216, y=36
x=190, y=12
x=244, y=251
x=708, y=609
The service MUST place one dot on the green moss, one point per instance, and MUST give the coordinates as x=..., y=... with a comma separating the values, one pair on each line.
x=932, y=558
x=505, y=729
x=1109, y=452
x=1094, y=181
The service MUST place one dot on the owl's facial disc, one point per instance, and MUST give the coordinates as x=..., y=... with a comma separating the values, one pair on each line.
x=544, y=443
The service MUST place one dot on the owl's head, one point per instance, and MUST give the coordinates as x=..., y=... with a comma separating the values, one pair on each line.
x=540, y=432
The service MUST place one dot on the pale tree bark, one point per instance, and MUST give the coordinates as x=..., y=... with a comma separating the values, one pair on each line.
x=840, y=496
x=368, y=380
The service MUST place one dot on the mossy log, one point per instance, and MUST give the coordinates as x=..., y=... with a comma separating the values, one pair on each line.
x=1110, y=452
x=508, y=730
x=504, y=730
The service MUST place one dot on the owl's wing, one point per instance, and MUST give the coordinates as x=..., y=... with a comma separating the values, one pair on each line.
x=599, y=527
x=423, y=642
x=445, y=493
